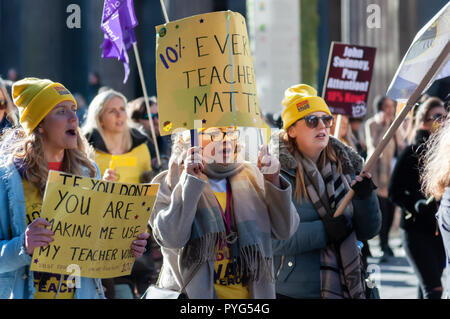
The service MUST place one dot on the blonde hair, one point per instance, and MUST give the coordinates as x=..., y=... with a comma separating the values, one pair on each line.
x=347, y=138
x=436, y=173
x=11, y=110
x=327, y=154
x=95, y=112
x=30, y=150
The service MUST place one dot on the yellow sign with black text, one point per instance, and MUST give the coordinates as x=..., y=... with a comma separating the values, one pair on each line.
x=95, y=223
x=205, y=73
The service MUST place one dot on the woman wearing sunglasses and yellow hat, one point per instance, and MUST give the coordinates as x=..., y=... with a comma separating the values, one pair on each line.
x=322, y=259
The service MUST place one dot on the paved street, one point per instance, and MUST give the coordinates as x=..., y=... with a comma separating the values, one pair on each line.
x=397, y=279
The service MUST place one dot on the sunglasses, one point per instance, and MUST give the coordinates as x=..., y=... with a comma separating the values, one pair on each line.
x=2, y=104
x=145, y=116
x=312, y=121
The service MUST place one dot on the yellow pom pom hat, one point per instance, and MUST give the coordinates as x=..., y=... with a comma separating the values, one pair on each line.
x=299, y=101
x=35, y=98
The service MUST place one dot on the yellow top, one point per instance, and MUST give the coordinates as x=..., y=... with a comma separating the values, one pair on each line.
x=129, y=166
x=227, y=284
x=33, y=204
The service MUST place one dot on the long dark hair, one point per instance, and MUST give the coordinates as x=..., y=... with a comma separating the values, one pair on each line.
x=421, y=115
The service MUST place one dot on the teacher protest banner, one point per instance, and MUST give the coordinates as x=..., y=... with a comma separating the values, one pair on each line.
x=95, y=223
x=347, y=82
x=204, y=72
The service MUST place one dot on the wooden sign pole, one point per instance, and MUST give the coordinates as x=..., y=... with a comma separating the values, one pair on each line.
x=442, y=58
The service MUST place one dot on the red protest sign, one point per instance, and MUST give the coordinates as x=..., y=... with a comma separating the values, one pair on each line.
x=347, y=81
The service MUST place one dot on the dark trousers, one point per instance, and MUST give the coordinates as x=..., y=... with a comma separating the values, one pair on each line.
x=365, y=253
x=426, y=255
x=387, y=217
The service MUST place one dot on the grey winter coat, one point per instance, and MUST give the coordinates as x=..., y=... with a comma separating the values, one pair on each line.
x=172, y=219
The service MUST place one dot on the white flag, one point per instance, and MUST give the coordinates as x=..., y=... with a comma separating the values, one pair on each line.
x=425, y=48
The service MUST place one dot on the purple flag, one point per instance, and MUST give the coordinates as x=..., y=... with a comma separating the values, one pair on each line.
x=118, y=22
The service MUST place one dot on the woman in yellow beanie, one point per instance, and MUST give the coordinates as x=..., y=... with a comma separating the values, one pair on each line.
x=49, y=139
x=322, y=259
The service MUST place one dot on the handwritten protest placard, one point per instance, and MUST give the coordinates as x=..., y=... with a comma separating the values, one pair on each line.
x=348, y=78
x=95, y=223
x=204, y=72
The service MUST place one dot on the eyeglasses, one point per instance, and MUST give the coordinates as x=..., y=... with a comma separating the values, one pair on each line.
x=219, y=135
x=145, y=116
x=313, y=120
x=2, y=104
x=436, y=117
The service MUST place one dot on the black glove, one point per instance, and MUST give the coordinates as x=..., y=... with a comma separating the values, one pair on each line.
x=364, y=188
x=336, y=228
x=422, y=208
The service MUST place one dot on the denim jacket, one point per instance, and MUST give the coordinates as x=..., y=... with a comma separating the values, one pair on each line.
x=16, y=278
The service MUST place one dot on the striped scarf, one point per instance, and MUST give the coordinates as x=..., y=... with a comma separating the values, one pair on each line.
x=253, y=248
x=340, y=270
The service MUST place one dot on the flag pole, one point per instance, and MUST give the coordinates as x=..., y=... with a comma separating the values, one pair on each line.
x=442, y=57
x=194, y=133
x=163, y=6
x=147, y=105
